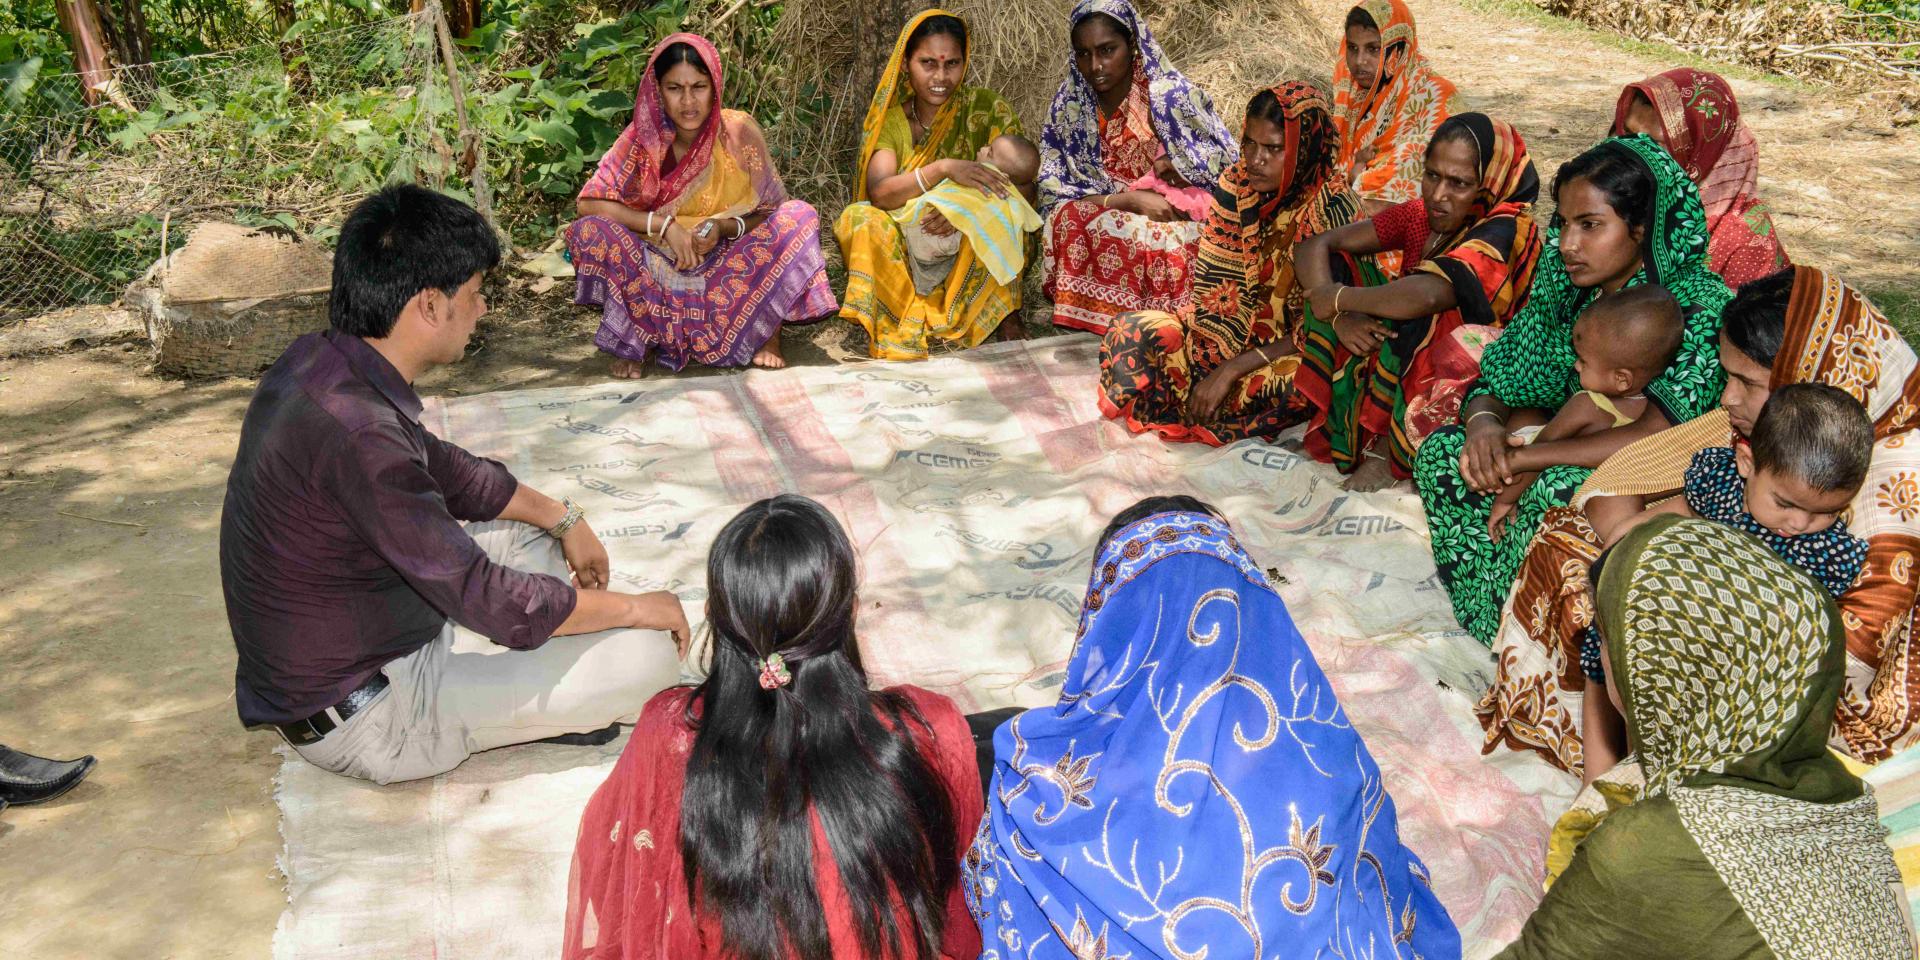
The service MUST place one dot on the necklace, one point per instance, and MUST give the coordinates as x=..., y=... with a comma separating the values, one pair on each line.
x=918, y=127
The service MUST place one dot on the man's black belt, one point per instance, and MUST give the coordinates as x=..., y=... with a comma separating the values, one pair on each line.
x=303, y=732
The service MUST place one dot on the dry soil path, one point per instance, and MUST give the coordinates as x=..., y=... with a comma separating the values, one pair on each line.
x=112, y=636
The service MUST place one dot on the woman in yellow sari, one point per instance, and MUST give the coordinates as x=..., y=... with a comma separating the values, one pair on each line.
x=923, y=127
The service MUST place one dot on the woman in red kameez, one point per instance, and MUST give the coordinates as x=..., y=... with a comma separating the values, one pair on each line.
x=781, y=809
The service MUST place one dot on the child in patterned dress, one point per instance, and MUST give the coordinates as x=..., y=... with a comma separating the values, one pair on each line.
x=1788, y=487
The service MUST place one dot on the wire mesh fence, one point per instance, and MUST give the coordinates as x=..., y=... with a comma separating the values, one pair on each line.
x=95, y=185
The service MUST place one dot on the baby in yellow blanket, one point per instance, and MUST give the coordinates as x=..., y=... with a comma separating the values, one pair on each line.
x=930, y=257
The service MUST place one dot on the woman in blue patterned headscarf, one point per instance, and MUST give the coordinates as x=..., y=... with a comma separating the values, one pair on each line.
x=1128, y=158
x=1198, y=788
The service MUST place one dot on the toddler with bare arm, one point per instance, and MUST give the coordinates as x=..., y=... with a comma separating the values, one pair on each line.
x=1621, y=342
x=1787, y=487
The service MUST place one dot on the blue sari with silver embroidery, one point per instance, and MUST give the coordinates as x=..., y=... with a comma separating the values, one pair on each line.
x=1197, y=787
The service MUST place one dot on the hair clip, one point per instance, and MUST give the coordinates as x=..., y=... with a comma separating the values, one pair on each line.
x=773, y=672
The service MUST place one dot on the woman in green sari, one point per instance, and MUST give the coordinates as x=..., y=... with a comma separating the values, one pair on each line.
x=1748, y=839
x=1627, y=214
x=923, y=126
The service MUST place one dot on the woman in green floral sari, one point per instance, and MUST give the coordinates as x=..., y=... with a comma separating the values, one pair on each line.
x=1627, y=215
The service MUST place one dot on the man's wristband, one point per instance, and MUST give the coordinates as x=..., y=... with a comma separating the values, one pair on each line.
x=574, y=515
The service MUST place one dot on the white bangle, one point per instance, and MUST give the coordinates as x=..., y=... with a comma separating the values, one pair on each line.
x=649, y=223
x=740, y=222
x=922, y=183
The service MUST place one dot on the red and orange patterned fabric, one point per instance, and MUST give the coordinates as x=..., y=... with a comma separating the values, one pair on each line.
x=1416, y=382
x=1396, y=116
x=1700, y=121
x=1101, y=263
x=727, y=307
x=1244, y=296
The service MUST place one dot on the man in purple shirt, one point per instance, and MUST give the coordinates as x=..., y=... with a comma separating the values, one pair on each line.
x=397, y=602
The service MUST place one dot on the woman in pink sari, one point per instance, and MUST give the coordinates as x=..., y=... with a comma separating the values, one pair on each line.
x=686, y=237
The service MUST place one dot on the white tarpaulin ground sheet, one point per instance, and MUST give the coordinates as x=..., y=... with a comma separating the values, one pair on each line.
x=973, y=486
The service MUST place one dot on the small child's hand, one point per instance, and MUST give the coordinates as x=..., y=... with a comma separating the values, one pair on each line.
x=985, y=155
x=1498, y=520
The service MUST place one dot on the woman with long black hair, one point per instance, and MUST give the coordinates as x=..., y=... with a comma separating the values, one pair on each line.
x=781, y=808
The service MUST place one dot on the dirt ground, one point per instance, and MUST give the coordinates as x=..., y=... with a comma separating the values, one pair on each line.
x=112, y=635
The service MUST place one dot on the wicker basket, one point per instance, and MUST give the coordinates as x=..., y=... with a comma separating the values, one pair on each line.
x=230, y=301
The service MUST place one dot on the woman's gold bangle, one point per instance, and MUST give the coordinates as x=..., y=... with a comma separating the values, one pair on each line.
x=1337, y=291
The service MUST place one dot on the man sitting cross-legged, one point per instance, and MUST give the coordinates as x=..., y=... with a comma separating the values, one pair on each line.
x=347, y=572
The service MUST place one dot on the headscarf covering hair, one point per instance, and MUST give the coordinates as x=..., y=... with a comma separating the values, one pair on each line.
x=1506, y=171
x=895, y=89
x=1515, y=367
x=1729, y=663
x=1397, y=115
x=1192, y=715
x=1701, y=122
x=1243, y=286
x=1179, y=114
x=1509, y=187
x=1837, y=337
x=1413, y=385
x=630, y=173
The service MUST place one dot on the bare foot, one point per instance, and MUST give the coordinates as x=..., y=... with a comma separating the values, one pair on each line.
x=1014, y=327
x=629, y=369
x=769, y=357
x=1374, y=474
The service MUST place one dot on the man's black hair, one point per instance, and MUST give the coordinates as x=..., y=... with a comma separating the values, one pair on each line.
x=397, y=243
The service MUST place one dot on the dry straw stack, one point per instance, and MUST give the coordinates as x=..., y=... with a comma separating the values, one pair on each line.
x=1815, y=39
x=1019, y=50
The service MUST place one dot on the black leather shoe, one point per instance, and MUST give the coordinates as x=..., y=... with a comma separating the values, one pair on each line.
x=25, y=778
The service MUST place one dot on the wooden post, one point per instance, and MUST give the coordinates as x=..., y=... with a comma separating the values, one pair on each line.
x=473, y=154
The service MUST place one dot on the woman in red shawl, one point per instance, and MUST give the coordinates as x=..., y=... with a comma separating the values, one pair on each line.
x=686, y=237
x=1693, y=114
x=781, y=809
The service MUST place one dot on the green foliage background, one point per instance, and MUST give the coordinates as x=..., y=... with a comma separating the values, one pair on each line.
x=289, y=130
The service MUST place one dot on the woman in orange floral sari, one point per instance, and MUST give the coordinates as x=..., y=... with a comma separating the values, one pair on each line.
x=1388, y=103
x=1819, y=331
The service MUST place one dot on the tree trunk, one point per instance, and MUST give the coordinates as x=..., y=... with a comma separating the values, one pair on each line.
x=293, y=53
x=462, y=15
x=87, y=39
x=126, y=24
